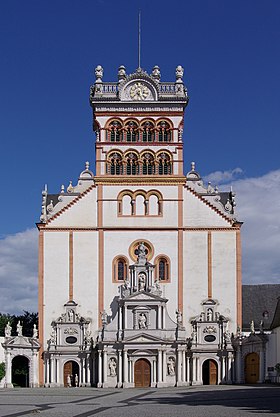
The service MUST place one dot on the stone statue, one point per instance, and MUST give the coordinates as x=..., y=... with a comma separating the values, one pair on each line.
x=98, y=73
x=19, y=329
x=142, y=321
x=141, y=251
x=69, y=381
x=71, y=315
x=76, y=380
x=141, y=281
x=112, y=367
x=171, y=367
x=53, y=337
x=121, y=73
x=209, y=314
x=252, y=327
x=8, y=330
x=35, y=331
x=179, y=317
x=104, y=317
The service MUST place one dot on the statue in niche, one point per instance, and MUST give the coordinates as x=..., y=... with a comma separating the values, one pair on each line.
x=141, y=281
x=69, y=384
x=8, y=330
x=71, y=315
x=142, y=321
x=209, y=314
x=76, y=380
x=112, y=367
x=171, y=367
x=19, y=329
x=141, y=251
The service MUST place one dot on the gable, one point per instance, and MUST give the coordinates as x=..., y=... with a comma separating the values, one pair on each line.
x=198, y=212
x=81, y=212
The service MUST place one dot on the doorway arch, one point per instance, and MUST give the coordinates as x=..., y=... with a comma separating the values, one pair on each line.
x=71, y=374
x=20, y=371
x=252, y=366
x=142, y=373
x=210, y=372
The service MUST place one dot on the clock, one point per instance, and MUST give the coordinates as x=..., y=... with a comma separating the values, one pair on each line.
x=139, y=91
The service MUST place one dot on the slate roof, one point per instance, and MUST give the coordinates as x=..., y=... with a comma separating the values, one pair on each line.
x=276, y=318
x=259, y=303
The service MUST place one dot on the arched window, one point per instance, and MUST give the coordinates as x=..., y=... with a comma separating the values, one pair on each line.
x=148, y=164
x=120, y=269
x=148, y=132
x=164, y=132
x=162, y=268
x=131, y=132
x=115, y=130
x=132, y=166
x=115, y=164
x=164, y=164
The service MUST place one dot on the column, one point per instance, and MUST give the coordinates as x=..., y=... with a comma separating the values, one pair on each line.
x=184, y=366
x=194, y=379
x=84, y=364
x=159, y=376
x=104, y=367
x=223, y=370
x=154, y=372
x=229, y=369
x=163, y=316
x=57, y=371
x=88, y=375
x=120, y=318
x=261, y=367
x=125, y=367
x=119, y=368
x=52, y=370
x=125, y=317
x=188, y=369
x=179, y=366
x=164, y=366
x=238, y=365
x=99, y=385
x=159, y=317
x=47, y=364
x=8, y=370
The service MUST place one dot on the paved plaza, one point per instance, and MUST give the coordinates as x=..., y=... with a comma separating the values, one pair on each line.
x=218, y=401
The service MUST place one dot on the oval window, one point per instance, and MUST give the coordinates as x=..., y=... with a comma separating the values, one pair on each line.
x=209, y=338
x=71, y=339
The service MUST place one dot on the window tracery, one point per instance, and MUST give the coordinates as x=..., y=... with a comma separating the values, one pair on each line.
x=162, y=263
x=164, y=164
x=120, y=268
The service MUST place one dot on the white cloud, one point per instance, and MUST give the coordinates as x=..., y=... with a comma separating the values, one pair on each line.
x=258, y=205
x=18, y=272
x=223, y=177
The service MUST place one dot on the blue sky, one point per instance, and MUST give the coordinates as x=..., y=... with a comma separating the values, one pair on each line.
x=231, y=54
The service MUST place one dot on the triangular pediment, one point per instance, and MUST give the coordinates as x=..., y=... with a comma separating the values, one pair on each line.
x=22, y=342
x=145, y=296
x=142, y=338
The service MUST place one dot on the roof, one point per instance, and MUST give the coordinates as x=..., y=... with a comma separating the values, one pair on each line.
x=258, y=304
x=276, y=318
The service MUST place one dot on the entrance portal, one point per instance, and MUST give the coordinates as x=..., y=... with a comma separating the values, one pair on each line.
x=210, y=372
x=20, y=371
x=71, y=374
x=252, y=363
x=142, y=373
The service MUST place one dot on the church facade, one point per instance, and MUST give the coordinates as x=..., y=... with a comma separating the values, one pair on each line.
x=139, y=262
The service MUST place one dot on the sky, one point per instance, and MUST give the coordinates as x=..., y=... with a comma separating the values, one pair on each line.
x=230, y=51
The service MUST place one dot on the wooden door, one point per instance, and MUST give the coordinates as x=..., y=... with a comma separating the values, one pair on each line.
x=212, y=372
x=68, y=371
x=142, y=373
x=252, y=363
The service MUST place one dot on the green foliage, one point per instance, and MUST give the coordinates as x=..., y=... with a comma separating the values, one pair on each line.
x=2, y=370
x=277, y=368
x=27, y=320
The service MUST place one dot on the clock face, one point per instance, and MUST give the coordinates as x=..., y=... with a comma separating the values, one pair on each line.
x=139, y=91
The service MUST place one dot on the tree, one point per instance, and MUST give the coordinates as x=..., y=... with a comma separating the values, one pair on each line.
x=27, y=320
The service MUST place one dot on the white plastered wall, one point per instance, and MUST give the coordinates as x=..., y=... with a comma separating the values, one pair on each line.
x=85, y=274
x=224, y=274
x=56, y=277
x=195, y=267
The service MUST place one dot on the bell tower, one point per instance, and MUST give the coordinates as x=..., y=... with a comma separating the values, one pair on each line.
x=138, y=122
